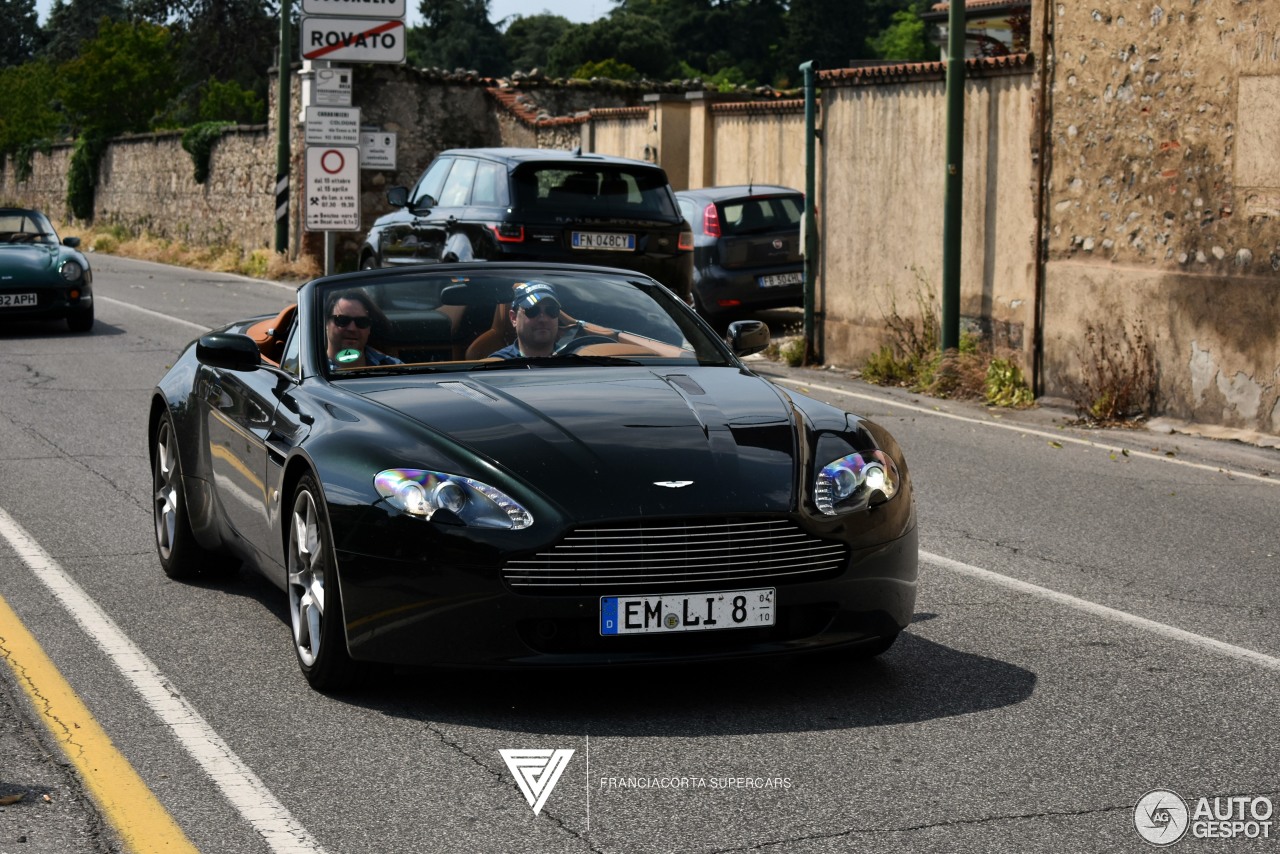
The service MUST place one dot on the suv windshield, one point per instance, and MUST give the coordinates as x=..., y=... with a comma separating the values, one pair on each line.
x=591, y=188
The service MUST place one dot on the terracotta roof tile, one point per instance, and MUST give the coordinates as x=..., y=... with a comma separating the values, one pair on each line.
x=789, y=105
x=869, y=75
x=524, y=109
x=975, y=4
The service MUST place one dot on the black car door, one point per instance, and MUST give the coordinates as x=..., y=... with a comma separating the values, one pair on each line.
x=412, y=238
x=290, y=423
x=238, y=408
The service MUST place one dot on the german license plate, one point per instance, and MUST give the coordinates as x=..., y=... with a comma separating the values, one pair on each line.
x=686, y=612
x=17, y=300
x=605, y=241
x=781, y=280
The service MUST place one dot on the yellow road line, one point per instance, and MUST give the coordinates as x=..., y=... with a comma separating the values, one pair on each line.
x=143, y=825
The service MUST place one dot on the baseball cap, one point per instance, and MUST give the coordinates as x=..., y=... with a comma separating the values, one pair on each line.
x=530, y=293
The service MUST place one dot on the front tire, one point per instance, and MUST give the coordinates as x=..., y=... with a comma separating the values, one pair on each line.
x=80, y=320
x=315, y=602
x=181, y=556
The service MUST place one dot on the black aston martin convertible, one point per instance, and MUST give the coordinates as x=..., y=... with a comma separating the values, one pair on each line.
x=631, y=493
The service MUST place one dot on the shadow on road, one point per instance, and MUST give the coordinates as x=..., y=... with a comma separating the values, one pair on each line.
x=917, y=680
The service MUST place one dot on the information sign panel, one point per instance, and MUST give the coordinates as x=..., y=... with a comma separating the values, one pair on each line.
x=333, y=126
x=377, y=149
x=333, y=188
x=331, y=87
x=355, y=8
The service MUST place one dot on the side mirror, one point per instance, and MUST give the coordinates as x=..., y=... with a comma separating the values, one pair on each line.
x=398, y=197
x=748, y=336
x=228, y=351
x=73, y=242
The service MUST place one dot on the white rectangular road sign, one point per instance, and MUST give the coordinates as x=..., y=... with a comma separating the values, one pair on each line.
x=377, y=149
x=333, y=188
x=333, y=126
x=353, y=39
x=356, y=8
x=331, y=87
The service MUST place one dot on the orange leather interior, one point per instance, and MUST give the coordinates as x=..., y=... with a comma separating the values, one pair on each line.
x=270, y=334
x=502, y=333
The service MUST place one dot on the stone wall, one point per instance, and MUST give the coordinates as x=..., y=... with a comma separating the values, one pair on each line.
x=146, y=183
x=1163, y=209
x=45, y=188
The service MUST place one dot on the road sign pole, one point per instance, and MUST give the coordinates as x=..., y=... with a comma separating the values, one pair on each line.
x=283, y=102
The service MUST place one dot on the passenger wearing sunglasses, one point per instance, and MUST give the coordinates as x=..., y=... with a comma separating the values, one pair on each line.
x=350, y=318
x=535, y=313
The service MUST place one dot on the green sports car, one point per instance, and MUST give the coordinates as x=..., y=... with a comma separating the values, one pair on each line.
x=42, y=277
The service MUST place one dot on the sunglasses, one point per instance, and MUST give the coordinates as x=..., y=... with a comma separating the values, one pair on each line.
x=342, y=321
x=551, y=310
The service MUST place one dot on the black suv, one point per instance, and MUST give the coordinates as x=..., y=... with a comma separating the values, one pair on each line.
x=520, y=204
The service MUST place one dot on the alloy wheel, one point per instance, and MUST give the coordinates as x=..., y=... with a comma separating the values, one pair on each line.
x=167, y=490
x=307, y=574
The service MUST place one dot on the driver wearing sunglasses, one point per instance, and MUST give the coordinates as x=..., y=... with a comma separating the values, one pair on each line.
x=535, y=314
x=349, y=320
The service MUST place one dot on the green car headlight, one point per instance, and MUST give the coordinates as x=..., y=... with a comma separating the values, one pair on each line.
x=72, y=271
x=424, y=493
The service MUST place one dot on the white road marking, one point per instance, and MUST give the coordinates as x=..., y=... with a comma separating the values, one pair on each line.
x=1030, y=431
x=1162, y=629
x=245, y=791
x=196, y=326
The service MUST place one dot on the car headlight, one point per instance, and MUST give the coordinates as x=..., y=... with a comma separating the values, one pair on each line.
x=424, y=493
x=854, y=481
x=72, y=271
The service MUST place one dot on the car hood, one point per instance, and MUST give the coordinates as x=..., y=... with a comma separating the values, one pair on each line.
x=592, y=439
x=23, y=261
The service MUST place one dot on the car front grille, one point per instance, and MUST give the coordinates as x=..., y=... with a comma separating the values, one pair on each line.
x=667, y=555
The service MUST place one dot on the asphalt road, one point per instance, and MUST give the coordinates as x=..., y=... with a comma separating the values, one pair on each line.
x=1097, y=619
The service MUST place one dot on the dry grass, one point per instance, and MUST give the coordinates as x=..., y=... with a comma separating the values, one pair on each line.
x=1118, y=381
x=259, y=264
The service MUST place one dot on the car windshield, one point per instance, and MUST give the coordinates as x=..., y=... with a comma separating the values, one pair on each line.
x=23, y=226
x=440, y=322
x=586, y=189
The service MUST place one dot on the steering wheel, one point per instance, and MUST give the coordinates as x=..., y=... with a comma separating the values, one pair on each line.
x=573, y=344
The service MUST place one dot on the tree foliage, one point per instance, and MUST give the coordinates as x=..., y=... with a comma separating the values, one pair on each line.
x=121, y=81
x=632, y=39
x=21, y=38
x=115, y=66
x=29, y=109
x=904, y=40
x=73, y=22
x=528, y=40
x=457, y=34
